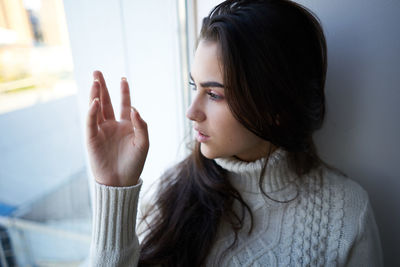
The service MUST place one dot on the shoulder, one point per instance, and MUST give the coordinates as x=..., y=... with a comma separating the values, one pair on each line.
x=341, y=201
x=342, y=197
x=342, y=188
x=347, y=209
x=332, y=213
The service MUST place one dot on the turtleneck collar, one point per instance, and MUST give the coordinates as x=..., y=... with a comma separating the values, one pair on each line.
x=245, y=175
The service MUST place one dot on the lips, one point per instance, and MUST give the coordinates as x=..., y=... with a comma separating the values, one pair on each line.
x=201, y=136
x=200, y=131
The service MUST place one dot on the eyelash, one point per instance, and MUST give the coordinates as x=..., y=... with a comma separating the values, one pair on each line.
x=213, y=97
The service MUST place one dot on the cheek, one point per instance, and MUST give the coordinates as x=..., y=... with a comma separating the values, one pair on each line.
x=223, y=123
x=230, y=131
x=236, y=135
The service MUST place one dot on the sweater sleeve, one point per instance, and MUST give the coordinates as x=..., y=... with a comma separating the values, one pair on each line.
x=114, y=240
x=366, y=250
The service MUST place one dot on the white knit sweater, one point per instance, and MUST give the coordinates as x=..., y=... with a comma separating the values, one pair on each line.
x=322, y=219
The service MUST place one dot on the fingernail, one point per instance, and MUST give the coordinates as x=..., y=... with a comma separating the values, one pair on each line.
x=134, y=110
x=123, y=79
x=96, y=81
x=96, y=99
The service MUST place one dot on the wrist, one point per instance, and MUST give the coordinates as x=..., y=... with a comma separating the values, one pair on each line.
x=120, y=185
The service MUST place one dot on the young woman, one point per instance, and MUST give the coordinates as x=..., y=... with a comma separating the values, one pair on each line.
x=254, y=191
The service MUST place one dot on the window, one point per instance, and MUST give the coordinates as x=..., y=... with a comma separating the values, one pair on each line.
x=44, y=193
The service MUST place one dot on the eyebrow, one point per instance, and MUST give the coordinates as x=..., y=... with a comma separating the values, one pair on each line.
x=208, y=84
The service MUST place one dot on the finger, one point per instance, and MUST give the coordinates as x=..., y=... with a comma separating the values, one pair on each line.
x=107, y=109
x=91, y=121
x=95, y=93
x=125, y=100
x=140, y=126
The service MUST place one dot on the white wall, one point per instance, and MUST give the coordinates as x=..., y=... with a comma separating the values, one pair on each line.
x=362, y=129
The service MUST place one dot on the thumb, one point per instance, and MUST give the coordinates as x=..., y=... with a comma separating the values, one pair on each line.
x=140, y=128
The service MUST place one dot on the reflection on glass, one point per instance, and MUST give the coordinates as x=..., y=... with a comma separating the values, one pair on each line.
x=44, y=196
x=35, y=59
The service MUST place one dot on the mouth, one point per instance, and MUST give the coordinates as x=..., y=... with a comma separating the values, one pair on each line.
x=200, y=132
x=200, y=136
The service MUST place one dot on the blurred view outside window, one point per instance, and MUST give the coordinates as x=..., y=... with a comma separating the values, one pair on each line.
x=44, y=195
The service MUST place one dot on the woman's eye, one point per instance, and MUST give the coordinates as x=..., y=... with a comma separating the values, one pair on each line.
x=214, y=96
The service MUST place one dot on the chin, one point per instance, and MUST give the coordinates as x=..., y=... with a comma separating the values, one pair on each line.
x=209, y=153
x=206, y=152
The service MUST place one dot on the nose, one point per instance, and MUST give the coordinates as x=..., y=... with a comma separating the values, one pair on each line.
x=195, y=112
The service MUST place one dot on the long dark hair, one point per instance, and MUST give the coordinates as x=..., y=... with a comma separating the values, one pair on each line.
x=274, y=59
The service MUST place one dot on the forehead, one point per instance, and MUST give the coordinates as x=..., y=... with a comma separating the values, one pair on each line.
x=206, y=64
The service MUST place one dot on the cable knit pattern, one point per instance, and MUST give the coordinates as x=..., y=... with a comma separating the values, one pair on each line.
x=319, y=219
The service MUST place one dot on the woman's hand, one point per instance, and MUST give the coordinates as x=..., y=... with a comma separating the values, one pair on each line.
x=117, y=149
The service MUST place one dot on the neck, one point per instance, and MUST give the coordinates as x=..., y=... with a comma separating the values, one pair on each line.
x=264, y=149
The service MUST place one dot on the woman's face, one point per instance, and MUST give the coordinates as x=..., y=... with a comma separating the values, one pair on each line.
x=219, y=133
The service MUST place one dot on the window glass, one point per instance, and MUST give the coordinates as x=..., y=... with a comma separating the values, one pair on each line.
x=44, y=196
